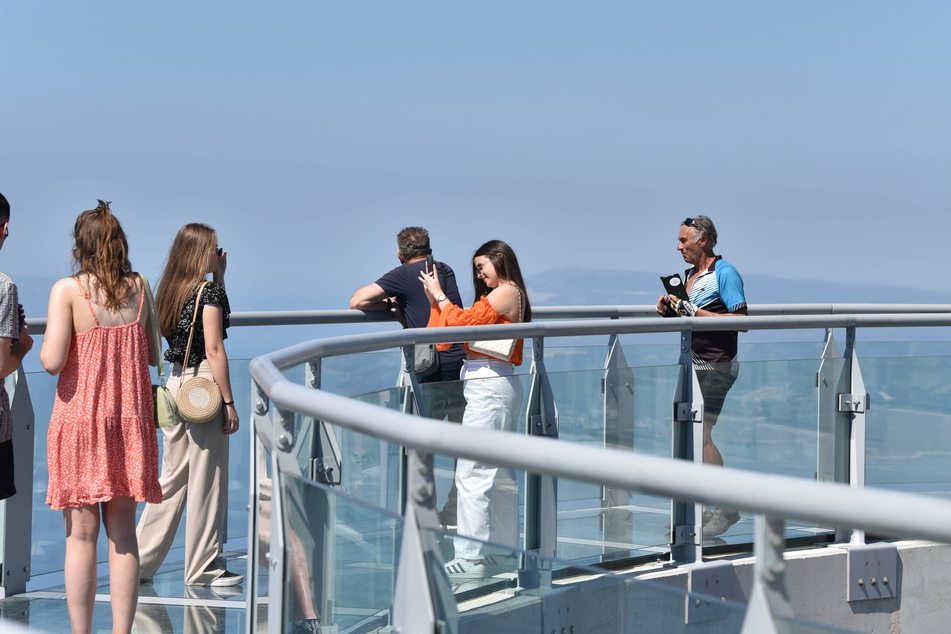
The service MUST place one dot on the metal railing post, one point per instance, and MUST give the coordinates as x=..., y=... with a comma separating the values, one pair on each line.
x=16, y=513
x=769, y=599
x=259, y=407
x=855, y=403
x=617, y=389
x=423, y=602
x=541, y=491
x=685, y=547
x=832, y=437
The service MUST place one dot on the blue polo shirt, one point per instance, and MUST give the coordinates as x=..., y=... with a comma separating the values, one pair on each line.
x=719, y=289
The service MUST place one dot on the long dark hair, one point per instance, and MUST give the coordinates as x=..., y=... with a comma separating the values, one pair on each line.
x=102, y=252
x=186, y=266
x=506, y=266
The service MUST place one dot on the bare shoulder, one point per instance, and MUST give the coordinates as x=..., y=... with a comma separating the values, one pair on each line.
x=66, y=288
x=505, y=300
x=507, y=292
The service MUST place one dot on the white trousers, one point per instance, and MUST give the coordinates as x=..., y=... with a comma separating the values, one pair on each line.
x=488, y=495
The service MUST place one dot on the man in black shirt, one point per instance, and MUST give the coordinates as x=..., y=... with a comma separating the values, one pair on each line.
x=400, y=288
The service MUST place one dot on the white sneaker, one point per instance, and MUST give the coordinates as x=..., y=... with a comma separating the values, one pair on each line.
x=460, y=568
x=720, y=522
x=486, y=566
x=227, y=579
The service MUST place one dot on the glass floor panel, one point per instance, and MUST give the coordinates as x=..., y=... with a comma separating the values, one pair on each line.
x=165, y=605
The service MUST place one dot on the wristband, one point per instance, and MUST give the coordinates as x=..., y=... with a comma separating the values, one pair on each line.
x=389, y=304
x=228, y=403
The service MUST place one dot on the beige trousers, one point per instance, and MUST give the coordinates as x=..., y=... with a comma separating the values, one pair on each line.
x=194, y=471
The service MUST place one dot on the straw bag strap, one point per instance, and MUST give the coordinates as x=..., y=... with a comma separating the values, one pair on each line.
x=521, y=300
x=156, y=332
x=191, y=332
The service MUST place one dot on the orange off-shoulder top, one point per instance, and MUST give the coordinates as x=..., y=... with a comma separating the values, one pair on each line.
x=480, y=313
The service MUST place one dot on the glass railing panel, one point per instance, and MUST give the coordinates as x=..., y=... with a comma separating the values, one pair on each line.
x=239, y=453
x=599, y=523
x=779, y=350
x=770, y=424
x=371, y=468
x=568, y=358
x=908, y=423
x=343, y=558
x=361, y=373
x=506, y=487
x=798, y=626
x=652, y=354
x=639, y=354
x=49, y=540
x=904, y=349
x=49, y=536
x=768, y=421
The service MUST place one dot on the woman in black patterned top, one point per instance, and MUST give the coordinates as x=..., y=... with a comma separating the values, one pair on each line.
x=195, y=463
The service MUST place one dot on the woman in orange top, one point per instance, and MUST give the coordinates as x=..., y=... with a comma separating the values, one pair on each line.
x=488, y=495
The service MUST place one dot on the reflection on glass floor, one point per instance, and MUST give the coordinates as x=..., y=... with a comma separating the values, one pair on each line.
x=165, y=605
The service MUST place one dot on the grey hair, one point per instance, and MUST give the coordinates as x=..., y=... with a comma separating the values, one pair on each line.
x=704, y=226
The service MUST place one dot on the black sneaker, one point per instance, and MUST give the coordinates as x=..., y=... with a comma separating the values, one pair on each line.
x=447, y=519
x=307, y=626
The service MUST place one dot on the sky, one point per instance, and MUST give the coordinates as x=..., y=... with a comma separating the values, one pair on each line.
x=815, y=134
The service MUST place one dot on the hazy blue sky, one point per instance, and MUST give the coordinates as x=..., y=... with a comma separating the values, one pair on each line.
x=816, y=134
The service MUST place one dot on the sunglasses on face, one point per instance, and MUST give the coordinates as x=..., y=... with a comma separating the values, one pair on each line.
x=219, y=251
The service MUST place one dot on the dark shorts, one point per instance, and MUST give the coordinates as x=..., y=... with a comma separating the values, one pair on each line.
x=714, y=385
x=7, y=488
x=443, y=393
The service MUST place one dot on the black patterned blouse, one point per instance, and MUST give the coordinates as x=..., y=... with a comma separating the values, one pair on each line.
x=214, y=295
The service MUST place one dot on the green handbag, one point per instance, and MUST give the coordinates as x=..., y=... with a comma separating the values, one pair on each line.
x=164, y=404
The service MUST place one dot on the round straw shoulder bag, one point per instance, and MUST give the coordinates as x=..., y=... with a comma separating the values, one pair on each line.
x=198, y=398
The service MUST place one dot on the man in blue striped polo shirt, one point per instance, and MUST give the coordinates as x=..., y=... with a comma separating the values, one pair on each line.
x=715, y=289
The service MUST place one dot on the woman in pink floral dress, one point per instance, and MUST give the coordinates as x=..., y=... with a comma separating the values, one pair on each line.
x=103, y=455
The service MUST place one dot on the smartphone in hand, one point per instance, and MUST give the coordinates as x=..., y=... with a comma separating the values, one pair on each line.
x=429, y=263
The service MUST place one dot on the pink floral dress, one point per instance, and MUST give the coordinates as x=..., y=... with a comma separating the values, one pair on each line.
x=101, y=441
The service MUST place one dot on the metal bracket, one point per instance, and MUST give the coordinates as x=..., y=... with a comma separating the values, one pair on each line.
x=873, y=571
x=685, y=534
x=540, y=426
x=854, y=403
x=689, y=412
x=708, y=585
x=323, y=473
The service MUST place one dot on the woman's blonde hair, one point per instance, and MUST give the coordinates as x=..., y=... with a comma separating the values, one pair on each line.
x=186, y=266
x=102, y=252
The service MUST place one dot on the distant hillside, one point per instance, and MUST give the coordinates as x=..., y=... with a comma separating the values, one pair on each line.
x=578, y=287
x=560, y=287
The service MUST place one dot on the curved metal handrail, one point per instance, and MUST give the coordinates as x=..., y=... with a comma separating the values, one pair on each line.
x=826, y=503
x=352, y=344
x=322, y=317
x=781, y=496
